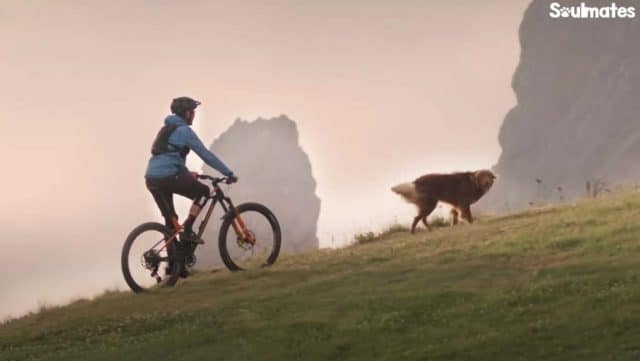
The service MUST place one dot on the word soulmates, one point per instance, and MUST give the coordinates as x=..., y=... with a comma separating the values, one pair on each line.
x=583, y=11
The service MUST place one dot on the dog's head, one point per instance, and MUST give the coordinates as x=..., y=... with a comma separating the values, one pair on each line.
x=484, y=179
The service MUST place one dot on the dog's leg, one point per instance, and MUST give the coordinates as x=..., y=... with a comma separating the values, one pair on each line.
x=466, y=213
x=426, y=224
x=454, y=216
x=415, y=223
x=426, y=207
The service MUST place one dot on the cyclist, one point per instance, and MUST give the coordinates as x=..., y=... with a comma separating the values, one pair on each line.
x=167, y=173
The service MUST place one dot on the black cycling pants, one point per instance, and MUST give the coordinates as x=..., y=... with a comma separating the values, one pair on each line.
x=184, y=184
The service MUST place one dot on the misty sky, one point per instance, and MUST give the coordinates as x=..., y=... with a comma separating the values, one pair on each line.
x=382, y=92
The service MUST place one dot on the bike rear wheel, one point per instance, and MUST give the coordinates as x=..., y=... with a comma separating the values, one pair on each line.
x=261, y=249
x=146, y=261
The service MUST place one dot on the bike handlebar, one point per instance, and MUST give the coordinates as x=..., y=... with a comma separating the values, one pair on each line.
x=214, y=180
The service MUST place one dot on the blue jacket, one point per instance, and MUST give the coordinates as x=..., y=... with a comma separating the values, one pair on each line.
x=168, y=164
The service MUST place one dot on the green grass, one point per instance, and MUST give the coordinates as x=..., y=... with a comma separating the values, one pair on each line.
x=547, y=284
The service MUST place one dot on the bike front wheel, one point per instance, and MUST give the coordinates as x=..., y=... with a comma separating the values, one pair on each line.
x=147, y=260
x=249, y=237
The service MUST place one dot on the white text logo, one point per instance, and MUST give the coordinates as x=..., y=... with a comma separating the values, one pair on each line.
x=583, y=11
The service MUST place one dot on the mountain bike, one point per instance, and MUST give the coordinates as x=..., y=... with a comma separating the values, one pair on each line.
x=249, y=237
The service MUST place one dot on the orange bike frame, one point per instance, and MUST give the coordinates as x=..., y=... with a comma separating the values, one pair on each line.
x=239, y=226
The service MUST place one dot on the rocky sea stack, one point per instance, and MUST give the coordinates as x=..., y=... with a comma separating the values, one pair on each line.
x=577, y=119
x=274, y=170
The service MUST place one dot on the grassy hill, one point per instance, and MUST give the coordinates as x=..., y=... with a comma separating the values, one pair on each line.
x=548, y=284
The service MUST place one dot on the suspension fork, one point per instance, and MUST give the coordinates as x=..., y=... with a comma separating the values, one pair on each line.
x=238, y=224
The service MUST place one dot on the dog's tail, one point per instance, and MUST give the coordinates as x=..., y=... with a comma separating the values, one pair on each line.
x=407, y=191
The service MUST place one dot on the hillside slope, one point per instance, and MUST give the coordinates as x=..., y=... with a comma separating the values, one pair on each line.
x=561, y=283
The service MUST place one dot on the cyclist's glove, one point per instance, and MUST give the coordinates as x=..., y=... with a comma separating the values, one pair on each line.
x=231, y=178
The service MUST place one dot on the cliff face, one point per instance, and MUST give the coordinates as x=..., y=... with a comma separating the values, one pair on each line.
x=275, y=171
x=578, y=111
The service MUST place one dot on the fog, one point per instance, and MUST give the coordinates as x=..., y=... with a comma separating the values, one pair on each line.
x=381, y=92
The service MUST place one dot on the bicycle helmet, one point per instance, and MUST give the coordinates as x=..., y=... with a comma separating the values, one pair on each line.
x=181, y=105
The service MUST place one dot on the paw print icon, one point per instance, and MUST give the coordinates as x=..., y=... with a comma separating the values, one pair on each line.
x=565, y=12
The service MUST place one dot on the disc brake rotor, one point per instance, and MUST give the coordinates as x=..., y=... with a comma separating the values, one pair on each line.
x=245, y=243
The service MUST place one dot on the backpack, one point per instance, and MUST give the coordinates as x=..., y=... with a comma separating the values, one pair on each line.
x=161, y=144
